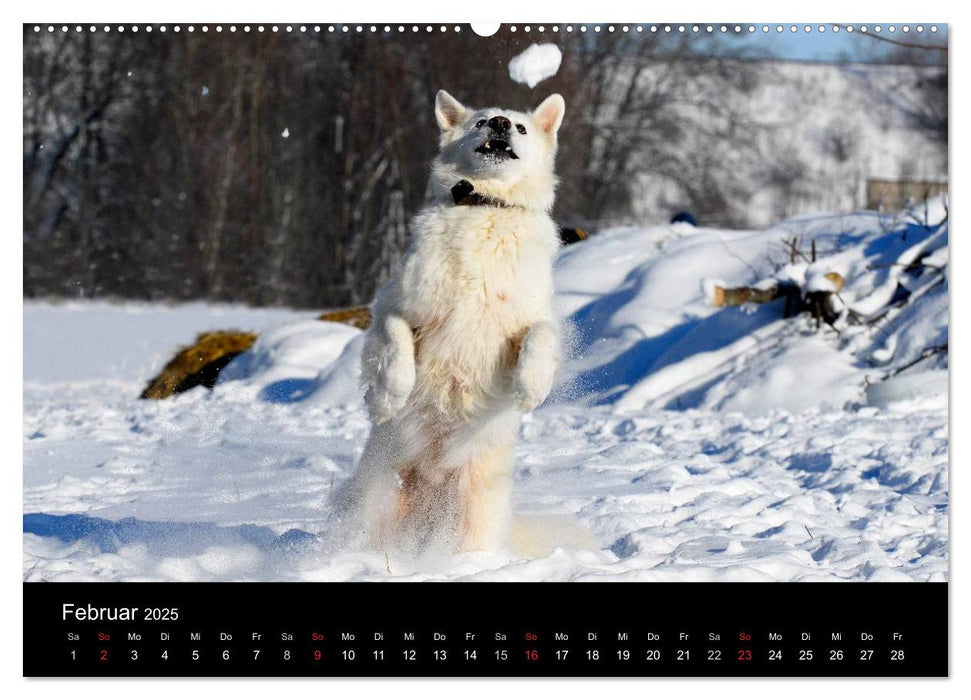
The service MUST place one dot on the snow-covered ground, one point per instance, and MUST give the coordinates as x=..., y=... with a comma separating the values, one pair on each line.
x=691, y=443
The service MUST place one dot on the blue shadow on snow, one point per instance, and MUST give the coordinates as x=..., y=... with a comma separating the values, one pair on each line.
x=162, y=538
x=692, y=337
x=288, y=390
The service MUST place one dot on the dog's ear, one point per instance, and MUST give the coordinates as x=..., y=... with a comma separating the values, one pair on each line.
x=549, y=115
x=449, y=112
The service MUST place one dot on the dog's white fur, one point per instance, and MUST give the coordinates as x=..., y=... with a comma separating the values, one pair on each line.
x=463, y=340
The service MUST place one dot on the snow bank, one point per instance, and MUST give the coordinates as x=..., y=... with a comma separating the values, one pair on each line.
x=648, y=337
x=284, y=363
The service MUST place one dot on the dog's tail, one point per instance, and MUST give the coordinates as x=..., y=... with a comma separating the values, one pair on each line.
x=538, y=535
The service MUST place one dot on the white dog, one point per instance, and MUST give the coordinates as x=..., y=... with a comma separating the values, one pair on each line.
x=463, y=337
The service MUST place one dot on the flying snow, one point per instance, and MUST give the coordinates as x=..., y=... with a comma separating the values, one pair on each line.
x=535, y=64
x=286, y=133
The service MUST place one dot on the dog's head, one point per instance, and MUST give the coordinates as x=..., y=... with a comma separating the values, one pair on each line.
x=505, y=155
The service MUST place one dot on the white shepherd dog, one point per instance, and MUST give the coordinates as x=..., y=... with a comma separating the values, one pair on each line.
x=463, y=338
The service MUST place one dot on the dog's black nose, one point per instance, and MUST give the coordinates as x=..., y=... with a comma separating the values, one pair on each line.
x=500, y=123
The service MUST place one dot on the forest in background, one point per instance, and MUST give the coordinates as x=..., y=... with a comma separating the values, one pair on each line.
x=283, y=169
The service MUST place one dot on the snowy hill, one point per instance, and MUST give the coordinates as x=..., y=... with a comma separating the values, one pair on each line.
x=648, y=338
x=690, y=442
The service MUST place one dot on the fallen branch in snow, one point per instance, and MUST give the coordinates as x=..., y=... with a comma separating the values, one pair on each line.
x=818, y=295
x=736, y=296
x=907, y=267
x=901, y=299
x=766, y=292
x=925, y=353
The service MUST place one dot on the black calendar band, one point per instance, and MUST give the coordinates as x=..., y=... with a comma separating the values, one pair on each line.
x=485, y=629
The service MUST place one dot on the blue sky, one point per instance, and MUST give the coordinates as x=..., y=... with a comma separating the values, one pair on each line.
x=825, y=46
x=829, y=45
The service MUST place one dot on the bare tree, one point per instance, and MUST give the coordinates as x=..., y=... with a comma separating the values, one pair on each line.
x=284, y=169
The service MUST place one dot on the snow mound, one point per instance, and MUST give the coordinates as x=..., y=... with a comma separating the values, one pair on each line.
x=535, y=64
x=648, y=336
x=284, y=363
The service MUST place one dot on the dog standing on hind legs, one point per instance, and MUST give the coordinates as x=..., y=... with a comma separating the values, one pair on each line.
x=463, y=338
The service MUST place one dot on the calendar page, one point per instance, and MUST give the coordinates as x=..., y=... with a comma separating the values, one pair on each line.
x=555, y=349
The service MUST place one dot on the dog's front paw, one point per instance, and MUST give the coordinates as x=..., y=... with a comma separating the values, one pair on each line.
x=529, y=395
x=533, y=382
x=536, y=370
x=390, y=389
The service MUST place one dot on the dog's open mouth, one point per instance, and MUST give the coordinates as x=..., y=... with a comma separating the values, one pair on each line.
x=498, y=149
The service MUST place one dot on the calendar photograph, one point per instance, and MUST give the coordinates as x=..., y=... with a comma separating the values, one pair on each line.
x=448, y=303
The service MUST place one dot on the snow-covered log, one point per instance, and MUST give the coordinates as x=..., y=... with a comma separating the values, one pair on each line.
x=736, y=296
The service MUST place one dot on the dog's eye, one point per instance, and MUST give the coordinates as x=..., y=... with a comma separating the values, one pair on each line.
x=479, y=124
x=521, y=129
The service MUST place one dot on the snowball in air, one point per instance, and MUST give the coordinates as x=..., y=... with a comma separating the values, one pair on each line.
x=286, y=133
x=538, y=62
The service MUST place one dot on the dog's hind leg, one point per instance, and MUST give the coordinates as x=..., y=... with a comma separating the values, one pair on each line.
x=366, y=504
x=427, y=508
x=485, y=494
